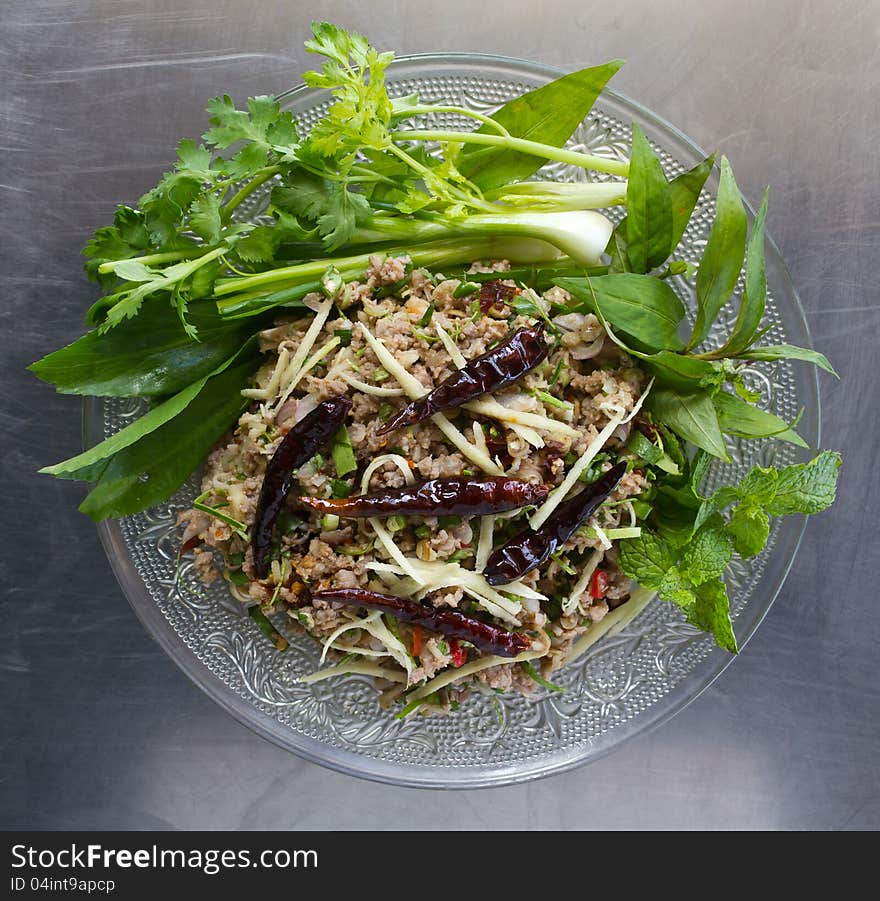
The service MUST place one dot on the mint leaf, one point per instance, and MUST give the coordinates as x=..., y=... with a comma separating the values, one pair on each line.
x=677, y=588
x=711, y=613
x=806, y=487
x=708, y=553
x=647, y=559
x=749, y=528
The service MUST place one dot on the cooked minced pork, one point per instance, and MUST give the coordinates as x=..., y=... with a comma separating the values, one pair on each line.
x=582, y=382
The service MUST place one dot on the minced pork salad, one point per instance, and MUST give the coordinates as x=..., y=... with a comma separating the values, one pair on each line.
x=453, y=422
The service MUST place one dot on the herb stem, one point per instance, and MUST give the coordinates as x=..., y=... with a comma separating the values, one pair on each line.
x=171, y=256
x=471, y=114
x=248, y=189
x=533, y=148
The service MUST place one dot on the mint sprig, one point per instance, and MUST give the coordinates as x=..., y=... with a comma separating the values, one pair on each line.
x=689, y=574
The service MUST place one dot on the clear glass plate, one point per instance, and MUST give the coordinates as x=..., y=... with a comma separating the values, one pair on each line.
x=627, y=683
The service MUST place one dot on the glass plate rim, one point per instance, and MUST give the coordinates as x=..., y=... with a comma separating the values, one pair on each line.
x=437, y=776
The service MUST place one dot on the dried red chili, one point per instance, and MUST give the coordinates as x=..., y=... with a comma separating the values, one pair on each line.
x=456, y=495
x=530, y=548
x=447, y=621
x=495, y=293
x=498, y=367
x=300, y=444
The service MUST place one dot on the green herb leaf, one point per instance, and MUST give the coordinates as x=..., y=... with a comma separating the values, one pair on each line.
x=806, y=487
x=711, y=613
x=152, y=469
x=772, y=352
x=708, y=553
x=647, y=559
x=149, y=355
x=722, y=259
x=535, y=676
x=751, y=309
x=646, y=309
x=738, y=417
x=649, y=207
x=749, y=529
x=548, y=114
x=343, y=453
x=685, y=191
x=692, y=416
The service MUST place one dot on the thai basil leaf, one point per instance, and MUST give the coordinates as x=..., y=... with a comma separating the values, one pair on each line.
x=787, y=352
x=738, y=417
x=691, y=416
x=649, y=207
x=684, y=192
x=644, y=308
x=145, y=356
x=90, y=464
x=722, y=259
x=751, y=309
x=549, y=114
x=151, y=470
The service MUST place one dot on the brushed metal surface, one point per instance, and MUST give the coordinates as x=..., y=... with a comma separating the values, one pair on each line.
x=100, y=728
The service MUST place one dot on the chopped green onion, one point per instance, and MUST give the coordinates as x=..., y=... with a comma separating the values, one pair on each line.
x=343, y=453
x=260, y=618
x=550, y=400
x=563, y=564
x=380, y=374
x=330, y=522
x=395, y=523
x=461, y=554
x=238, y=527
x=476, y=312
x=385, y=411
x=426, y=319
x=344, y=335
x=537, y=677
x=332, y=282
x=423, y=531
x=466, y=288
x=556, y=372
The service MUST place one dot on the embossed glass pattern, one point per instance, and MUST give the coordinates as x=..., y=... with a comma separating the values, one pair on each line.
x=626, y=684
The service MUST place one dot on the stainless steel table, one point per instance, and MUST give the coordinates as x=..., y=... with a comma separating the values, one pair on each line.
x=99, y=727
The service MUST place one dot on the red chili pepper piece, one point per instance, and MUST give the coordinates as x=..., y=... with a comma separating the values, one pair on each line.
x=498, y=367
x=300, y=444
x=598, y=584
x=448, y=622
x=459, y=653
x=456, y=496
x=530, y=548
x=495, y=293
